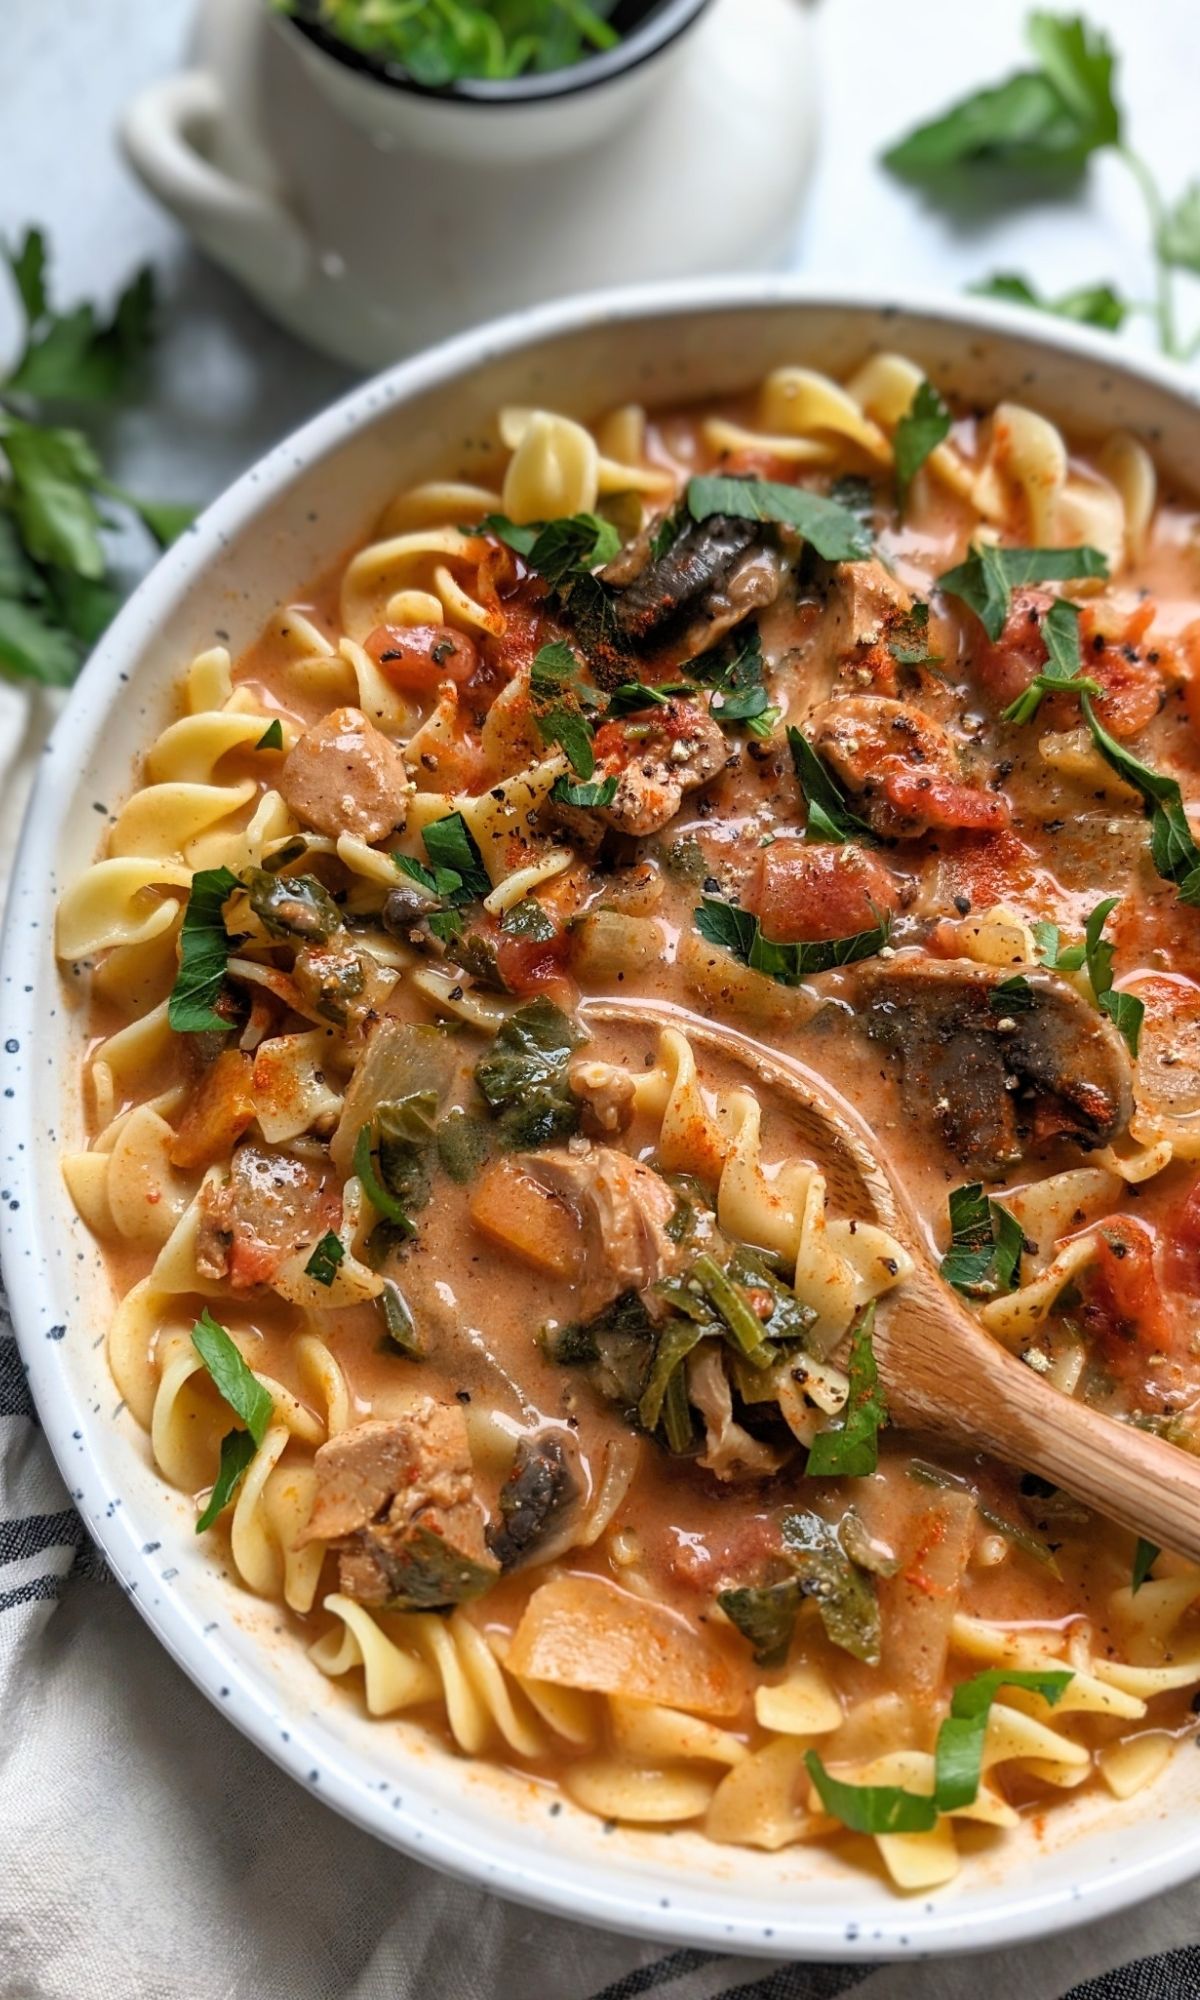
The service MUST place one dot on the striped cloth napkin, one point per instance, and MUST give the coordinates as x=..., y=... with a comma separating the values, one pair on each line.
x=147, y=1852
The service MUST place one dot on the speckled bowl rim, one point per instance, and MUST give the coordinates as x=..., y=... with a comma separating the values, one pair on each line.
x=704, y=1914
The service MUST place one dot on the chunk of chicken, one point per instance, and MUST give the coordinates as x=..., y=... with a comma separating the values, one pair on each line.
x=901, y=769
x=622, y=1206
x=863, y=604
x=1002, y=1074
x=271, y=1206
x=343, y=776
x=396, y=1499
x=655, y=755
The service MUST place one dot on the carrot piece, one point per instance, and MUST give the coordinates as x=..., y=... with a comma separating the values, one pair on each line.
x=217, y=1113
x=514, y=1212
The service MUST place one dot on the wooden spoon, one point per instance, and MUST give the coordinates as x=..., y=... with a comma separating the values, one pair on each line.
x=942, y=1373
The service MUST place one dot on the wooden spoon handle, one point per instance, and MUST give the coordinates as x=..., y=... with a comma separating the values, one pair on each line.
x=977, y=1393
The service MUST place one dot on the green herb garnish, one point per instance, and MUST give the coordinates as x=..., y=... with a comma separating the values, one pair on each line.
x=835, y=532
x=523, y=1076
x=1173, y=847
x=920, y=430
x=734, y=930
x=439, y=45
x=204, y=948
x=240, y=1388
x=829, y=814
x=326, y=1257
x=986, y=1244
x=843, y=1593
x=1145, y=1555
x=850, y=1449
x=601, y=793
x=1087, y=305
x=272, y=736
x=56, y=591
x=1096, y=954
x=457, y=875
x=1064, y=666
x=986, y=580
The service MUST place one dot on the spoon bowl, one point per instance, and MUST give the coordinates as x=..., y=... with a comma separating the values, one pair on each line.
x=942, y=1373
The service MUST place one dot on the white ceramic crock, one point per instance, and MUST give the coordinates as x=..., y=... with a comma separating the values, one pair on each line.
x=250, y=551
x=370, y=217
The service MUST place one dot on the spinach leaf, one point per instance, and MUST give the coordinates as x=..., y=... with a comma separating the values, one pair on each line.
x=616, y=1347
x=834, y=531
x=765, y=1614
x=292, y=906
x=523, y=1076
x=529, y=920
x=920, y=430
x=204, y=948
x=463, y=1144
x=986, y=580
x=829, y=815
x=986, y=1242
x=843, y=1593
x=729, y=1301
x=399, y=1329
x=244, y=1393
x=851, y=1449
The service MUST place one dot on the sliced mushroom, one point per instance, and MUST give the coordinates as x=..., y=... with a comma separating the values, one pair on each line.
x=714, y=574
x=1004, y=1072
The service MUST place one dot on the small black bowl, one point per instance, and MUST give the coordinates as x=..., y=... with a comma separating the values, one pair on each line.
x=646, y=27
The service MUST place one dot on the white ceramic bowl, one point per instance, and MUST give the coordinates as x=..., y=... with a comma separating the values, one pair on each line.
x=284, y=519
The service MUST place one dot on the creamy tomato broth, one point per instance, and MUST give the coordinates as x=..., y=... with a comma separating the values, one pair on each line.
x=523, y=1353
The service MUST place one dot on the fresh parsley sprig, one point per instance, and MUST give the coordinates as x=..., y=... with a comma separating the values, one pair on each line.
x=57, y=592
x=834, y=531
x=829, y=815
x=241, y=1390
x=921, y=429
x=1044, y=124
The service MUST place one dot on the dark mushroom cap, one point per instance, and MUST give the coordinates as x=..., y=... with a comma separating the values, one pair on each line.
x=1005, y=1072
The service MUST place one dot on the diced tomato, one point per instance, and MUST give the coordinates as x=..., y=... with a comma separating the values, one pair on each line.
x=945, y=803
x=756, y=462
x=1181, y=1245
x=992, y=869
x=418, y=658
x=1005, y=666
x=1122, y=1308
x=802, y=892
x=530, y=966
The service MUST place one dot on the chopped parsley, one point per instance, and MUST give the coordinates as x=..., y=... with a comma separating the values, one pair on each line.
x=326, y=1257
x=559, y=698
x=272, y=736
x=456, y=875
x=829, y=815
x=601, y=793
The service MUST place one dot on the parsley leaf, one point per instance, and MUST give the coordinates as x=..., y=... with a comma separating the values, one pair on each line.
x=736, y=672
x=908, y=640
x=1096, y=954
x=75, y=356
x=1064, y=664
x=920, y=430
x=740, y=934
x=1089, y=305
x=558, y=550
x=326, y=1256
x=834, y=531
x=559, y=694
x=986, y=580
x=237, y=1455
x=438, y=46
x=1050, y=118
x=829, y=816
x=204, y=948
x=851, y=1450
x=986, y=1242
x=870, y=1808
x=457, y=876
x=272, y=736
x=1173, y=848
